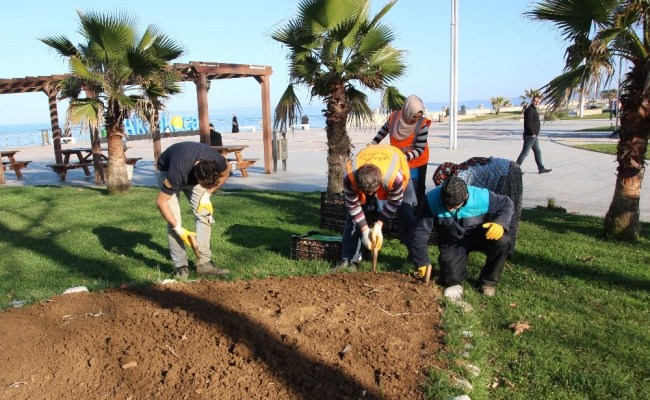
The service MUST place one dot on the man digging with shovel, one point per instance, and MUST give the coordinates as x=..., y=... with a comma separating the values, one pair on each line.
x=383, y=172
x=196, y=170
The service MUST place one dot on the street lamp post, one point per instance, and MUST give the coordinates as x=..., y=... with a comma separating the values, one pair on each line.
x=453, y=100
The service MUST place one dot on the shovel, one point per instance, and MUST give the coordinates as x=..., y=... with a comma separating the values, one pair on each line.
x=194, y=244
x=375, y=255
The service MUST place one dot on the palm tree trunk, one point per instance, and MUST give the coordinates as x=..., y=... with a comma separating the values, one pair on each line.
x=622, y=218
x=98, y=166
x=117, y=179
x=338, y=142
x=155, y=135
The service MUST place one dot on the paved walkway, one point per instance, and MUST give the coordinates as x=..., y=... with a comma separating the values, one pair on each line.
x=581, y=181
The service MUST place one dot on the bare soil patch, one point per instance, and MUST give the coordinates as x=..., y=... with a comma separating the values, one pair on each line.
x=341, y=336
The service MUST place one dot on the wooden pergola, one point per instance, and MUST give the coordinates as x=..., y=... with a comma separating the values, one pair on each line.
x=199, y=72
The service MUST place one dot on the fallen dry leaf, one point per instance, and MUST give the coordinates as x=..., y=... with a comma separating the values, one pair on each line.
x=519, y=327
x=513, y=305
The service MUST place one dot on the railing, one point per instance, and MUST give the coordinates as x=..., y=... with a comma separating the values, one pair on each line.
x=37, y=137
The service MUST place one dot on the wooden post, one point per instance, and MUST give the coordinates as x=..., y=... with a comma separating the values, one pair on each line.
x=266, y=122
x=202, y=100
x=51, y=93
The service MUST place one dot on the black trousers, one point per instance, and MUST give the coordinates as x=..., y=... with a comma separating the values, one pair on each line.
x=453, y=259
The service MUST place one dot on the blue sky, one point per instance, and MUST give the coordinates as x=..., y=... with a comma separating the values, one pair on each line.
x=501, y=53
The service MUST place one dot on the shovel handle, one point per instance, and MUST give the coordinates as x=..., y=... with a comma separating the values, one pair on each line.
x=194, y=244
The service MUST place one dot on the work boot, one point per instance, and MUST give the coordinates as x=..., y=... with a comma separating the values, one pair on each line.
x=488, y=291
x=453, y=292
x=181, y=272
x=545, y=170
x=209, y=269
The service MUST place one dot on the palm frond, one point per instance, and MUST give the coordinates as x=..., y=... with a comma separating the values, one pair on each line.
x=287, y=110
x=86, y=110
x=108, y=34
x=166, y=48
x=562, y=88
x=575, y=19
x=381, y=13
x=360, y=112
x=392, y=99
x=61, y=44
x=148, y=37
x=81, y=71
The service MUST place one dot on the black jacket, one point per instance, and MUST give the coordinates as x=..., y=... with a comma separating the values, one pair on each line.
x=452, y=227
x=531, y=121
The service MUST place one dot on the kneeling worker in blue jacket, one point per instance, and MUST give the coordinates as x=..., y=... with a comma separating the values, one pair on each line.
x=466, y=219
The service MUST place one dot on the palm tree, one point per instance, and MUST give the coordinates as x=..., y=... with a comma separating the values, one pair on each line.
x=597, y=34
x=113, y=64
x=528, y=94
x=156, y=92
x=498, y=103
x=333, y=45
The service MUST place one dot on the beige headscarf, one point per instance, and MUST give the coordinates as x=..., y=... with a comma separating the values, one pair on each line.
x=412, y=105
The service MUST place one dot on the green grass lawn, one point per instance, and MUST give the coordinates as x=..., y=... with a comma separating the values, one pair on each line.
x=584, y=297
x=487, y=117
x=607, y=128
x=607, y=148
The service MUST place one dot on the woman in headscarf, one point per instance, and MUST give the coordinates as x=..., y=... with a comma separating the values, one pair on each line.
x=409, y=130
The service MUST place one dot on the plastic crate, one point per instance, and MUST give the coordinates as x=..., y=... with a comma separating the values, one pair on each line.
x=315, y=246
x=332, y=211
x=333, y=214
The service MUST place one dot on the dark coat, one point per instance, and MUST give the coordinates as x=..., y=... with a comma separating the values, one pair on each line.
x=531, y=121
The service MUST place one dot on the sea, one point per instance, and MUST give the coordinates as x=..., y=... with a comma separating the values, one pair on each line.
x=35, y=134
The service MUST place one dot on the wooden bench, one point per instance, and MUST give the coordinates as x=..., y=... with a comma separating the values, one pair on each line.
x=62, y=169
x=243, y=164
x=128, y=161
x=15, y=166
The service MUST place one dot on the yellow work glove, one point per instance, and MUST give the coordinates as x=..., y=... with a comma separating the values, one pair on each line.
x=184, y=234
x=365, y=240
x=376, y=237
x=205, y=204
x=494, y=231
x=422, y=271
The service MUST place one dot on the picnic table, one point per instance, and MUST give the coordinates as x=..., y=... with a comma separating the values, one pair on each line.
x=83, y=160
x=237, y=158
x=12, y=164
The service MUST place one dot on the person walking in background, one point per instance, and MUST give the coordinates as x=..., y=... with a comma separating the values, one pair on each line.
x=382, y=172
x=196, y=170
x=408, y=130
x=466, y=218
x=215, y=137
x=235, y=124
x=531, y=133
x=498, y=175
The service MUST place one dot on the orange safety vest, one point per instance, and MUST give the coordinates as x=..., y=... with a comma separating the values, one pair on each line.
x=406, y=145
x=388, y=159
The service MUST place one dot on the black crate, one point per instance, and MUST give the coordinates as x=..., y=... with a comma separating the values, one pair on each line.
x=315, y=246
x=333, y=214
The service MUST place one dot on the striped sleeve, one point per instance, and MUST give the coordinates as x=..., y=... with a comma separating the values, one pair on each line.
x=353, y=204
x=395, y=197
x=419, y=143
x=383, y=132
